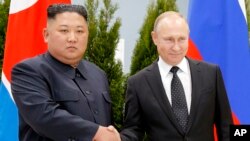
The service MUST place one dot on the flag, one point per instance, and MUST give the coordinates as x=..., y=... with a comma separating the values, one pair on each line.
x=23, y=40
x=218, y=30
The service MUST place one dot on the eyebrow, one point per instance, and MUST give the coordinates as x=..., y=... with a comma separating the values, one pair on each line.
x=76, y=26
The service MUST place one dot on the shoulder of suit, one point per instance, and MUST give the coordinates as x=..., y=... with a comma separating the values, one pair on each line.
x=145, y=70
x=33, y=61
x=91, y=66
x=202, y=63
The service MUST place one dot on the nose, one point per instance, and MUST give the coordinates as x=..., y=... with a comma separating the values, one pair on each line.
x=72, y=37
x=176, y=46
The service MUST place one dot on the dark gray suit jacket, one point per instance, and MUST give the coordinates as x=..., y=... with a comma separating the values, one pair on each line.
x=148, y=109
x=55, y=103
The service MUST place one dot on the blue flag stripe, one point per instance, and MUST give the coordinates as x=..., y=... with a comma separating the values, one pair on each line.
x=8, y=116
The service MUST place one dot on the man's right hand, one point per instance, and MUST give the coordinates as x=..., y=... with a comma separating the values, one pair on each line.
x=107, y=134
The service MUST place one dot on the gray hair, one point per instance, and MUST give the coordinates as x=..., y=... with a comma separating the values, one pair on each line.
x=166, y=15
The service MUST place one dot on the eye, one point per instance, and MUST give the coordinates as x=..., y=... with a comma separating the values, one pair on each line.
x=64, y=31
x=182, y=39
x=79, y=31
x=169, y=40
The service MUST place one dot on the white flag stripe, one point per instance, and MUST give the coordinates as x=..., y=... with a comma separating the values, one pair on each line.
x=19, y=5
x=7, y=85
x=243, y=8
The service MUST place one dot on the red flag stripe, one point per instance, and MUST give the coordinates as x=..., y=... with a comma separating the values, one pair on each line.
x=193, y=51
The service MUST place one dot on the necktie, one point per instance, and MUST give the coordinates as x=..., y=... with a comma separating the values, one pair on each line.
x=179, y=104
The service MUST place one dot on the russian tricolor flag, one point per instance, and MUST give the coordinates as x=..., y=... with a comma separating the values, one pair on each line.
x=24, y=39
x=219, y=34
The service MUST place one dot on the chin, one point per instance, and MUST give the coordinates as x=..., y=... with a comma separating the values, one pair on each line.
x=174, y=63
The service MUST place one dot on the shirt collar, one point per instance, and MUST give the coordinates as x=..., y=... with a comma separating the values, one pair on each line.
x=82, y=69
x=65, y=68
x=183, y=66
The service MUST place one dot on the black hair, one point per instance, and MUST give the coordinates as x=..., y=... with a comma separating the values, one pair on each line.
x=55, y=9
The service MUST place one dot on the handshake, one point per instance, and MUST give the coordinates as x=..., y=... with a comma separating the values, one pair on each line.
x=107, y=134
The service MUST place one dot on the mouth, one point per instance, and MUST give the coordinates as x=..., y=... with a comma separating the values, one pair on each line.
x=175, y=54
x=69, y=47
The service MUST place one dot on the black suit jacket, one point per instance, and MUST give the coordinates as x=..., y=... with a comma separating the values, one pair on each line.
x=148, y=109
x=55, y=103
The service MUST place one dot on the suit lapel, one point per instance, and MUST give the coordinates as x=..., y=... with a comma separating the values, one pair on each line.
x=195, y=78
x=155, y=83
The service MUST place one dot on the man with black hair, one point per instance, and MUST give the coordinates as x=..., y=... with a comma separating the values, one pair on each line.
x=60, y=96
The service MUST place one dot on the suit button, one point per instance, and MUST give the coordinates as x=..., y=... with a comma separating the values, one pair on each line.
x=96, y=112
x=88, y=92
x=78, y=75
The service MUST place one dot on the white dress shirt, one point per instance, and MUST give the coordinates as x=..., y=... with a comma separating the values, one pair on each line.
x=184, y=75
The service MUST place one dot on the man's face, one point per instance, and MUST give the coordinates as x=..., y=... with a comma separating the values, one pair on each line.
x=67, y=37
x=171, y=39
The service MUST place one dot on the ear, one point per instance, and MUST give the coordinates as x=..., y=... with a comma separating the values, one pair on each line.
x=154, y=37
x=45, y=35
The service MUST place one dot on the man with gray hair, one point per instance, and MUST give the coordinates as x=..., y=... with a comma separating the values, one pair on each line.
x=176, y=98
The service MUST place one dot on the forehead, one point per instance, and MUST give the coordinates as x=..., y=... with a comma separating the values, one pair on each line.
x=177, y=27
x=172, y=22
